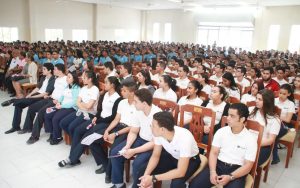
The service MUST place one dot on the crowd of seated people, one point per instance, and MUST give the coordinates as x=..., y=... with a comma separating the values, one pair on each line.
x=109, y=88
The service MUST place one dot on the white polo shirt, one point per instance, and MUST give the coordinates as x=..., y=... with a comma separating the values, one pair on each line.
x=217, y=79
x=235, y=148
x=273, y=124
x=183, y=143
x=280, y=82
x=244, y=83
x=182, y=83
x=219, y=109
x=233, y=93
x=286, y=107
x=183, y=101
x=86, y=94
x=144, y=122
x=207, y=89
x=44, y=85
x=168, y=95
x=14, y=62
x=108, y=103
x=127, y=112
x=247, y=98
x=60, y=85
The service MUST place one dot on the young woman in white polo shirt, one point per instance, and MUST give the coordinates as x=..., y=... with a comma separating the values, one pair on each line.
x=167, y=88
x=108, y=105
x=182, y=81
x=175, y=155
x=192, y=98
x=230, y=85
x=251, y=95
x=144, y=81
x=217, y=103
x=203, y=79
x=285, y=102
x=296, y=88
x=264, y=114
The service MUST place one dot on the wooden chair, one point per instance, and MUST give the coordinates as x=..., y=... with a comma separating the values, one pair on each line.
x=252, y=178
x=212, y=82
x=167, y=105
x=180, y=92
x=246, y=90
x=289, y=138
x=297, y=97
x=233, y=100
x=155, y=84
x=204, y=96
x=197, y=124
x=251, y=103
x=27, y=88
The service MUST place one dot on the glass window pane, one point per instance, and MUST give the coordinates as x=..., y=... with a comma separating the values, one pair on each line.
x=273, y=37
x=168, y=32
x=294, y=44
x=79, y=35
x=8, y=34
x=53, y=34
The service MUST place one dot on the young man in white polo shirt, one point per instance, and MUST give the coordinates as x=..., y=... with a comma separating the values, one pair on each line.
x=175, y=155
x=219, y=71
x=232, y=154
x=139, y=140
x=182, y=81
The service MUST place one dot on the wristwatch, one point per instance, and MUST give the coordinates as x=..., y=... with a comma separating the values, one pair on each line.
x=231, y=177
x=116, y=133
x=154, y=180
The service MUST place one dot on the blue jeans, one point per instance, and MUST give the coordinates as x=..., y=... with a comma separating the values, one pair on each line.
x=118, y=162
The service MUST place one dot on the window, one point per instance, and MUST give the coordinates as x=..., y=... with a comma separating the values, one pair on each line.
x=294, y=44
x=168, y=32
x=8, y=34
x=155, y=36
x=226, y=34
x=53, y=34
x=79, y=35
x=273, y=37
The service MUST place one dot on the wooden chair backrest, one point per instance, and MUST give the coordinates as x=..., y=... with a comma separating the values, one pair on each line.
x=233, y=100
x=167, y=105
x=212, y=82
x=197, y=124
x=204, y=96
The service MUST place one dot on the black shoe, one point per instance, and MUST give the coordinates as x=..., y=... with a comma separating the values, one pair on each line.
x=68, y=163
x=12, y=95
x=23, y=131
x=123, y=186
x=50, y=138
x=6, y=103
x=107, y=179
x=275, y=161
x=32, y=140
x=101, y=170
x=55, y=141
x=12, y=130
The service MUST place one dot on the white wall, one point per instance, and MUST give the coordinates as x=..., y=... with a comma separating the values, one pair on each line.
x=283, y=16
x=127, y=21
x=64, y=15
x=14, y=13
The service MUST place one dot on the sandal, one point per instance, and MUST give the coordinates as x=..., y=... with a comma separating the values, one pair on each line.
x=64, y=163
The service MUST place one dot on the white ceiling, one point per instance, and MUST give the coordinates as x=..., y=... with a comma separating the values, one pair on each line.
x=183, y=4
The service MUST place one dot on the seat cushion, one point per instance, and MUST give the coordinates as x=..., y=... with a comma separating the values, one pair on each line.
x=289, y=137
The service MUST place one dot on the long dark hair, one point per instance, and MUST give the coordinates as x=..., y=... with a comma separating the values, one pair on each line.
x=290, y=90
x=197, y=86
x=115, y=81
x=75, y=79
x=223, y=91
x=93, y=76
x=260, y=86
x=228, y=76
x=147, y=77
x=268, y=104
x=170, y=81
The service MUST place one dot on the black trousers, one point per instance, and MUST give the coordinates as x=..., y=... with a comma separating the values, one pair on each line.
x=203, y=178
x=8, y=84
x=166, y=163
x=39, y=107
x=99, y=152
x=20, y=104
x=264, y=154
x=31, y=113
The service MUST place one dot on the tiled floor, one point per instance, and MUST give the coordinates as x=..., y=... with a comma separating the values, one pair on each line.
x=35, y=166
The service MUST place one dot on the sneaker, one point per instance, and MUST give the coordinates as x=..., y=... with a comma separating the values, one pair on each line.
x=68, y=163
x=123, y=186
x=12, y=130
x=55, y=141
x=50, y=138
x=101, y=170
x=32, y=140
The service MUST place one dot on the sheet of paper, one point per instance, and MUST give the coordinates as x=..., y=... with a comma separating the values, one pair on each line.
x=91, y=138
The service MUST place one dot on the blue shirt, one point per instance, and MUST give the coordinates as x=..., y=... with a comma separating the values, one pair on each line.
x=103, y=60
x=123, y=59
x=70, y=60
x=148, y=57
x=137, y=58
x=57, y=61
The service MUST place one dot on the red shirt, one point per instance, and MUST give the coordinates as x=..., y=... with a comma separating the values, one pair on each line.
x=272, y=85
